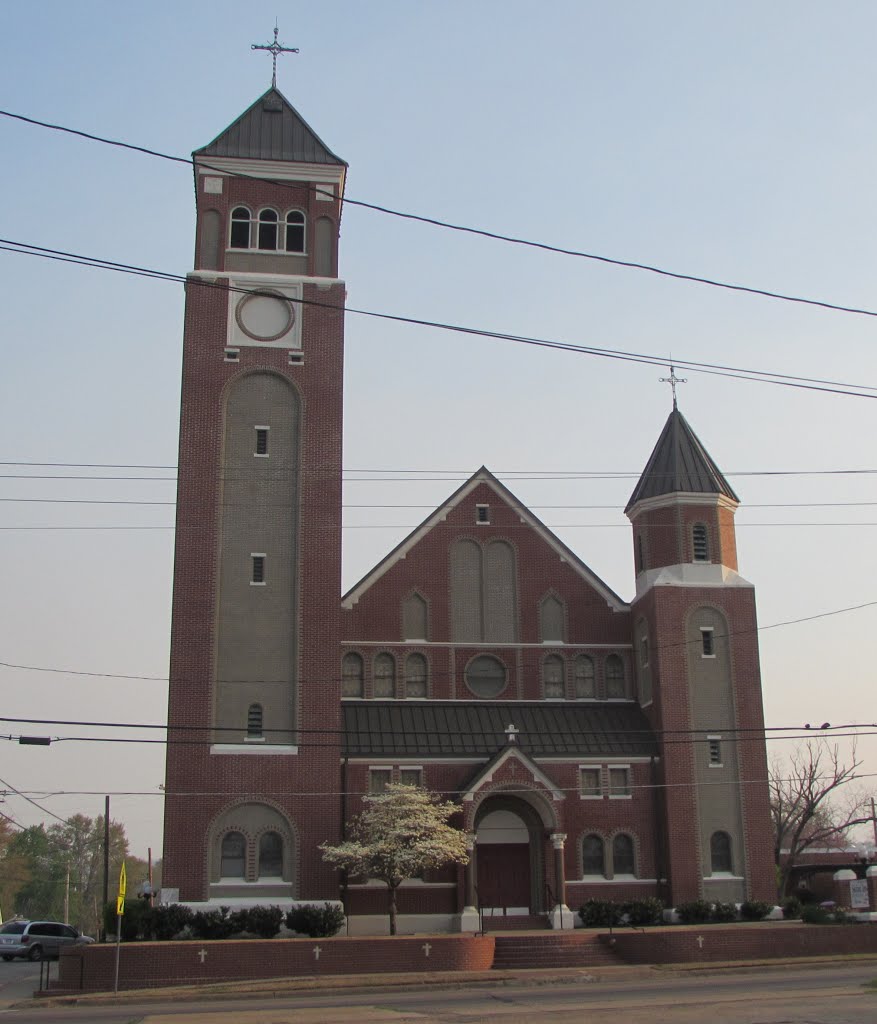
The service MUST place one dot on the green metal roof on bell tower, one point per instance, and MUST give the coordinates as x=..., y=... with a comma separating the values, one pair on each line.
x=679, y=463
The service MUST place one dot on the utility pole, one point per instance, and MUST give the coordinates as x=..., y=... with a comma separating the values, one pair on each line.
x=874, y=821
x=106, y=858
x=67, y=895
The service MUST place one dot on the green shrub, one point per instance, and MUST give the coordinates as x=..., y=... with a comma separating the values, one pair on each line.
x=812, y=913
x=601, y=913
x=722, y=913
x=791, y=908
x=166, y=923
x=317, y=922
x=840, y=915
x=262, y=921
x=135, y=920
x=806, y=896
x=755, y=910
x=644, y=912
x=214, y=924
x=694, y=912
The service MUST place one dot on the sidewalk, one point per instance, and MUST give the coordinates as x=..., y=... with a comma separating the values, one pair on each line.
x=409, y=981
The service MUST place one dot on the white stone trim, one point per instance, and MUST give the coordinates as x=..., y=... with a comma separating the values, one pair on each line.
x=242, y=748
x=272, y=169
x=569, y=649
x=690, y=574
x=679, y=499
x=528, y=763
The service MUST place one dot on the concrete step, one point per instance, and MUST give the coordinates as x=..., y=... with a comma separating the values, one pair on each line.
x=556, y=949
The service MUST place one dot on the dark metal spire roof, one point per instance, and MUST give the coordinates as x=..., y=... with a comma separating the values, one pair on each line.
x=679, y=462
x=271, y=129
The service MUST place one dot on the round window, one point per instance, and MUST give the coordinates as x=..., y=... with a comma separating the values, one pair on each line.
x=486, y=676
x=265, y=315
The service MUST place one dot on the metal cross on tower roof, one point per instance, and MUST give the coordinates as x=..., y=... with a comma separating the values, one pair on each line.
x=673, y=380
x=275, y=49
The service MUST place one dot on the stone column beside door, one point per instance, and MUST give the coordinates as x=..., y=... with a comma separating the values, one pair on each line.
x=560, y=916
x=469, y=918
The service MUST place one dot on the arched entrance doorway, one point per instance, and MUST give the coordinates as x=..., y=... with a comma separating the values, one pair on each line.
x=509, y=843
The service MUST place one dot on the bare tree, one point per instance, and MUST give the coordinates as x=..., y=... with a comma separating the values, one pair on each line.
x=812, y=804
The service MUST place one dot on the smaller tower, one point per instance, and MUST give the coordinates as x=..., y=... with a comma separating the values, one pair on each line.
x=696, y=643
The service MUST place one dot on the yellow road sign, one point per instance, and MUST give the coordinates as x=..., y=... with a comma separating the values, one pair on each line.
x=123, y=882
x=120, y=906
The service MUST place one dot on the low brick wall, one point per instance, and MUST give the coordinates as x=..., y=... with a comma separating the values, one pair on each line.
x=763, y=940
x=158, y=964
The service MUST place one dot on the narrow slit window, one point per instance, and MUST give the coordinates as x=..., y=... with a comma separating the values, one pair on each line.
x=700, y=542
x=482, y=515
x=261, y=441
x=254, y=722
x=707, y=644
x=258, y=569
x=715, y=750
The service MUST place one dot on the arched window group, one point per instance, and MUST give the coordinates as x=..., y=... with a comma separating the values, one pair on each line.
x=608, y=860
x=266, y=230
x=415, y=676
x=268, y=860
x=584, y=677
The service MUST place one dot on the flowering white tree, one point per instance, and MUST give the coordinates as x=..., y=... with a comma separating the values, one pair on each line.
x=399, y=835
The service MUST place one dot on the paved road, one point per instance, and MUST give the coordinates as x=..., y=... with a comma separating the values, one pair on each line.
x=825, y=994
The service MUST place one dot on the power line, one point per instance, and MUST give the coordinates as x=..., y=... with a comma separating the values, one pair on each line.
x=737, y=373
x=45, y=810
x=433, y=674
x=464, y=229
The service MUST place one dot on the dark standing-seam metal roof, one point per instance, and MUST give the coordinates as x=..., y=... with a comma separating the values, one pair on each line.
x=679, y=462
x=476, y=729
x=271, y=129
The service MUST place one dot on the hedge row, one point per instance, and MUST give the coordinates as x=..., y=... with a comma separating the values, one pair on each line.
x=145, y=923
x=640, y=913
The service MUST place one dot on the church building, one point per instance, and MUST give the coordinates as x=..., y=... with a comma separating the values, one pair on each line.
x=597, y=747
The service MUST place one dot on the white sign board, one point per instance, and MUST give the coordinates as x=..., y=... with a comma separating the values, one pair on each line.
x=859, y=895
x=168, y=896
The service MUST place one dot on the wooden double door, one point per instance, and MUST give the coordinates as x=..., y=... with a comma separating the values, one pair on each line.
x=504, y=875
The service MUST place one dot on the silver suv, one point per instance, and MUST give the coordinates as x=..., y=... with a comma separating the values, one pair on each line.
x=37, y=939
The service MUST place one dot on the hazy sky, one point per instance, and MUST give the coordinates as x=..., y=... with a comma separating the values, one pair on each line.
x=729, y=141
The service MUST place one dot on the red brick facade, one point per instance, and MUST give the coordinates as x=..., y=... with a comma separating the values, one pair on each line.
x=486, y=579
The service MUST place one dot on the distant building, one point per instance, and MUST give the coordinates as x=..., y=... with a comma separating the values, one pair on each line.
x=597, y=748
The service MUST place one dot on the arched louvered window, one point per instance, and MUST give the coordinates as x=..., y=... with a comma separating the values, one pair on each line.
x=593, y=856
x=415, y=676
x=700, y=542
x=233, y=862
x=267, y=229
x=240, y=228
x=551, y=620
x=270, y=855
x=351, y=675
x=254, y=721
x=295, y=231
x=552, y=677
x=720, y=853
x=415, y=625
x=385, y=676
x=622, y=855
x=585, y=677
x=616, y=686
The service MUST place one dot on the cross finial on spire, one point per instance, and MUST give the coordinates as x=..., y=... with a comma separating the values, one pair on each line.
x=512, y=733
x=673, y=380
x=275, y=49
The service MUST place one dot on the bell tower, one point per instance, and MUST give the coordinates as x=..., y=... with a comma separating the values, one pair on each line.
x=253, y=703
x=696, y=648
